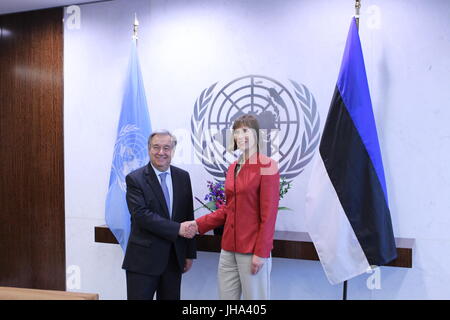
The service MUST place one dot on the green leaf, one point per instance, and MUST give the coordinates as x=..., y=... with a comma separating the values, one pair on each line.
x=284, y=208
x=210, y=205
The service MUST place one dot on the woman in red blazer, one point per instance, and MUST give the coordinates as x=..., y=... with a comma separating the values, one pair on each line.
x=252, y=189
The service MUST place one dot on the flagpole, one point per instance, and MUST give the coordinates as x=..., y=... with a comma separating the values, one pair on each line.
x=135, y=28
x=357, y=9
x=344, y=294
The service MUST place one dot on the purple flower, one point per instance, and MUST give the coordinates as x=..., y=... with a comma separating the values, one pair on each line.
x=216, y=192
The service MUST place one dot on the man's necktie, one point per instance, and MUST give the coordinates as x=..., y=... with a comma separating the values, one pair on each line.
x=165, y=191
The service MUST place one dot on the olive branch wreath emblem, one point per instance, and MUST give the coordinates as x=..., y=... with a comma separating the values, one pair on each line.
x=303, y=154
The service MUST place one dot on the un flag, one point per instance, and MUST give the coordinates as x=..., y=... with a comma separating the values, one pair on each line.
x=130, y=150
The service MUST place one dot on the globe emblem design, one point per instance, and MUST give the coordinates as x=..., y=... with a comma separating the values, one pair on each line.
x=130, y=153
x=288, y=121
x=267, y=100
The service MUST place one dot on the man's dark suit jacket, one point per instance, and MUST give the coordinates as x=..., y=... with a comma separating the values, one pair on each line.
x=152, y=231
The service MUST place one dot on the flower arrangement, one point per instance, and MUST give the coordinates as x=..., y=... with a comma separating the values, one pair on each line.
x=284, y=188
x=216, y=194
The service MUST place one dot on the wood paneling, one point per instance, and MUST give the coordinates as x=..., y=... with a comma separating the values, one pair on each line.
x=32, y=223
x=286, y=244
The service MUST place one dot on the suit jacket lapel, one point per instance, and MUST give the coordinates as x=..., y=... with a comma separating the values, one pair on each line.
x=231, y=177
x=177, y=185
x=153, y=181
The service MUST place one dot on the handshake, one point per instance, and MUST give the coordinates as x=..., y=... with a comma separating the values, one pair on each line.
x=188, y=229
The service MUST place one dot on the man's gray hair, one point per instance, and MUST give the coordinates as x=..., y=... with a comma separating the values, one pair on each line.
x=163, y=132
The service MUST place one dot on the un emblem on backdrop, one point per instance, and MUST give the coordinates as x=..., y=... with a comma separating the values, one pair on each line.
x=288, y=120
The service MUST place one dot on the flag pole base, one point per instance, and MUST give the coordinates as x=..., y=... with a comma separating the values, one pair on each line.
x=344, y=293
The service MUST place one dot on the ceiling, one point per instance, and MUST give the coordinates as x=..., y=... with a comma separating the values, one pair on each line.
x=10, y=6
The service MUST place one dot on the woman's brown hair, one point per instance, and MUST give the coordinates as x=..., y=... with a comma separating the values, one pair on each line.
x=249, y=121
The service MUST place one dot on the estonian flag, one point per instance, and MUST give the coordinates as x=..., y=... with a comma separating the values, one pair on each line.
x=347, y=213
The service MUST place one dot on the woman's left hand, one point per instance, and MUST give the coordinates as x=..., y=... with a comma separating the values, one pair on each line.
x=257, y=264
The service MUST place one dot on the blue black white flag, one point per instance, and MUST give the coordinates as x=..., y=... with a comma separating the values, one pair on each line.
x=347, y=212
x=130, y=150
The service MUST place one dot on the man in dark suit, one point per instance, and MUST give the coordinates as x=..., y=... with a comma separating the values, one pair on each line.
x=160, y=247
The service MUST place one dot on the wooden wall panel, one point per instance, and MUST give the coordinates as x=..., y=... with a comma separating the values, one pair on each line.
x=32, y=222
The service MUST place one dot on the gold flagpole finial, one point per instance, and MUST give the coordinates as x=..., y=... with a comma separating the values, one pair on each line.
x=357, y=7
x=135, y=27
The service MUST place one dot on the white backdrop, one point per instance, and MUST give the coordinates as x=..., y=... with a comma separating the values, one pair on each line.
x=186, y=46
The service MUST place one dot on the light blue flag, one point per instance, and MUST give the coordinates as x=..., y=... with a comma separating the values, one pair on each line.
x=130, y=150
